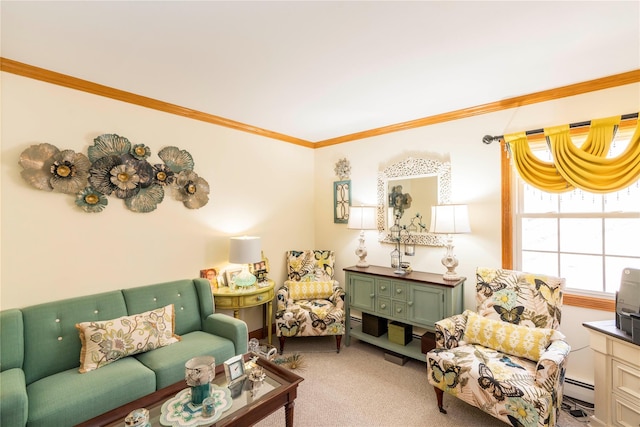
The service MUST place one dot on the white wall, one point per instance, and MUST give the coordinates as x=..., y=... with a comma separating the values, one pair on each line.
x=284, y=193
x=53, y=250
x=476, y=181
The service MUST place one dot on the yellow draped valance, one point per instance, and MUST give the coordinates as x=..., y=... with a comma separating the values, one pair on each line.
x=584, y=167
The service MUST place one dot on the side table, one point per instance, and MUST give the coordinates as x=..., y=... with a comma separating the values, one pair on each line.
x=227, y=299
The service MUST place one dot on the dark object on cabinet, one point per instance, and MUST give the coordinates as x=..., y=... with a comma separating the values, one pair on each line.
x=428, y=342
x=374, y=325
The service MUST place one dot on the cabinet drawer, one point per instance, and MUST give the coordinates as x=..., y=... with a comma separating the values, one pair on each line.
x=383, y=306
x=399, y=309
x=257, y=299
x=624, y=413
x=383, y=287
x=626, y=380
x=625, y=351
x=399, y=291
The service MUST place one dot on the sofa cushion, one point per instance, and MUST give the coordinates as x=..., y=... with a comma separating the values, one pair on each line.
x=51, y=341
x=191, y=306
x=69, y=397
x=168, y=362
x=106, y=341
x=309, y=290
x=506, y=337
x=13, y=398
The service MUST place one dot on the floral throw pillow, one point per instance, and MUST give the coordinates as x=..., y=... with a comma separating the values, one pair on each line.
x=309, y=290
x=508, y=338
x=106, y=341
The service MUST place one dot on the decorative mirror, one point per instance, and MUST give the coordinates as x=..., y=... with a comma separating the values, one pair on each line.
x=424, y=183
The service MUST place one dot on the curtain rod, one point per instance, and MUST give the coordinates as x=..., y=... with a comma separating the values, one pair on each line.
x=488, y=139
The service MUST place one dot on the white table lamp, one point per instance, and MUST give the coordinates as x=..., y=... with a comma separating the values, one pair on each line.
x=244, y=250
x=362, y=218
x=450, y=219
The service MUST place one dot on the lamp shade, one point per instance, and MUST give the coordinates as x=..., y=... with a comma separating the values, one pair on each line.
x=362, y=218
x=450, y=219
x=244, y=250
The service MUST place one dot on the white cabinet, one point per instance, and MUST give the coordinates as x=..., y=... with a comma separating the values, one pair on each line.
x=617, y=375
x=419, y=299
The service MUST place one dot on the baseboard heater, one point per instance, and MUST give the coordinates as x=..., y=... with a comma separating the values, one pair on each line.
x=579, y=391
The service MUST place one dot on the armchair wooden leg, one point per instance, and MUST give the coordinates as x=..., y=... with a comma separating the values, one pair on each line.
x=281, y=344
x=338, y=341
x=439, y=394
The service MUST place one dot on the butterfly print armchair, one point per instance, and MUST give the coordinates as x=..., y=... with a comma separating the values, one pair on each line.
x=508, y=357
x=311, y=302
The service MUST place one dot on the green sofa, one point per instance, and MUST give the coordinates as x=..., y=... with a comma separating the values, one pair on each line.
x=40, y=384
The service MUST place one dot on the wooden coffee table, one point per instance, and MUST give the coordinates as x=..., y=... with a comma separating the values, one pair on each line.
x=278, y=390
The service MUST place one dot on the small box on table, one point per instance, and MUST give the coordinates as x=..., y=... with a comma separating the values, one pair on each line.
x=428, y=342
x=374, y=325
x=400, y=333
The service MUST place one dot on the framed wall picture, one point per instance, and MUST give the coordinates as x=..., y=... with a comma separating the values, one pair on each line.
x=261, y=265
x=230, y=275
x=341, y=201
x=211, y=274
x=260, y=269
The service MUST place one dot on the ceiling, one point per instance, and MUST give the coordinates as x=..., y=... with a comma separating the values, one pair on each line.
x=320, y=70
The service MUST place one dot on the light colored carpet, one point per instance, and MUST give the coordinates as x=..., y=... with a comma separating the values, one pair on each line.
x=358, y=387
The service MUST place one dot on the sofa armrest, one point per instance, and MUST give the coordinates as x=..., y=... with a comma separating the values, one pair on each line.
x=14, y=405
x=449, y=331
x=550, y=368
x=282, y=298
x=228, y=327
x=337, y=298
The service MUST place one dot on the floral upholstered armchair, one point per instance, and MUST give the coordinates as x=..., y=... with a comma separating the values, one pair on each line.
x=508, y=357
x=311, y=302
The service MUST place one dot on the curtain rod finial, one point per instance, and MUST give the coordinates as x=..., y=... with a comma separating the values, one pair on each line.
x=488, y=139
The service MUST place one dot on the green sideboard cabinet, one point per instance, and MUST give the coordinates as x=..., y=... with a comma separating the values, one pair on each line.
x=418, y=298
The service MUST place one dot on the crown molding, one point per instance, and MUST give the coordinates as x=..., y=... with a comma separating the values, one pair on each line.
x=71, y=82
x=30, y=71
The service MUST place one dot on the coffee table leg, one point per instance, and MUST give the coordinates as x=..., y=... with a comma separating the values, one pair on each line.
x=288, y=414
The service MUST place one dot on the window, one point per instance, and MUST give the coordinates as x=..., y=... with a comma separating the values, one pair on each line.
x=584, y=237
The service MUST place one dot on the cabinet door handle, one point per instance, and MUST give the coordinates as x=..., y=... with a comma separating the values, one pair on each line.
x=398, y=310
x=382, y=288
x=383, y=306
x=372, y=295
x=398, y=291
x=410, y=303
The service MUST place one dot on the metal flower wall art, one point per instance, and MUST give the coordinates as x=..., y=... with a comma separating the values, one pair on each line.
x=115, y=167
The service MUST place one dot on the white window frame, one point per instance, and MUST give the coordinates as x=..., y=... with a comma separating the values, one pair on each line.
x=519, y=216
x=518, y=205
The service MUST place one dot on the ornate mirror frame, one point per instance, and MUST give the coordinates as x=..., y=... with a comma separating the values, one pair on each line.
x=409, y=168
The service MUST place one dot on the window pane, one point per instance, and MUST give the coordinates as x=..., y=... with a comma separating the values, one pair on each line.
x=622, y=236
x=582, y=271
x=540, y=262
x=582, y=235
x=580, y=201
x=537, y=201
x=614, y=267
x=625, y=200
x=539, y=234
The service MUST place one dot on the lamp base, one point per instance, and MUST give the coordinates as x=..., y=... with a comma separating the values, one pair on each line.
x=451, y=275
x=244, y=278
x=362, y=263
x=361, y=252
x=450, y=261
